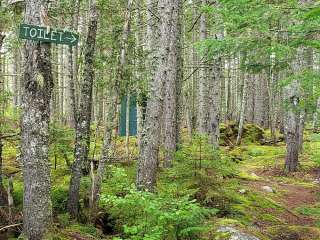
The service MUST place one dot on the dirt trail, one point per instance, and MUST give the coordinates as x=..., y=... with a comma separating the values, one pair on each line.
x=289, y=197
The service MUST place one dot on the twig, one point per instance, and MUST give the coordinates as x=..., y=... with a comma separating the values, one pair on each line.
x=10, y=226
x=9, y=136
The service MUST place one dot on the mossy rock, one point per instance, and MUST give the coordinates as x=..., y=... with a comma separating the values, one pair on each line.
x=293, y=233
x=229, y=132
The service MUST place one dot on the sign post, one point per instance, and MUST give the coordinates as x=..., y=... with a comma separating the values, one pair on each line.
x=43, y=34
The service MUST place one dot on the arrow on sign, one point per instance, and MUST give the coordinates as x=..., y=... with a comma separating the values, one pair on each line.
x=73, y=39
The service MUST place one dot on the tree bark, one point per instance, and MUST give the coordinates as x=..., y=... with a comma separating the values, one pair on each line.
x=243, y=107
x=214, y=102
x=105, y=155
x=111, y=115
x=149, y=159
x=172, y=86
x=84, y=116
x=315, y=121
x=3, y=194
x=291, y=126
x=203, y=117
x=38, y=84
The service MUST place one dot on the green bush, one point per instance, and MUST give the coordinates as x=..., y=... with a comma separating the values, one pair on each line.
x=88, y=230
x=59, y=196
x=149, y=216
x=64, y=219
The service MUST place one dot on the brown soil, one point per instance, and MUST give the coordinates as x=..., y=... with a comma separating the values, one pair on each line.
x=292, y=196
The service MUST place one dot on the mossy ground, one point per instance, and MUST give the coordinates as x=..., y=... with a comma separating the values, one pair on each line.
x=290, y=213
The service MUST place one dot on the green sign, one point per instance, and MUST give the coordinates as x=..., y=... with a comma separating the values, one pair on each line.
x=46, y=34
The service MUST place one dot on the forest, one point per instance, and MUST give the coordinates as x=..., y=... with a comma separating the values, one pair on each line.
x=160, y=119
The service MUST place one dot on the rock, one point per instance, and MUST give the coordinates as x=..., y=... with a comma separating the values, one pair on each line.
x=254, y=175
x=229, y=133
x=242, y=191
x=267, y=189
x=235, y=234
x=316, y=181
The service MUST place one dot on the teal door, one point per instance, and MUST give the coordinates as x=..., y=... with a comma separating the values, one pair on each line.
x=132, y=118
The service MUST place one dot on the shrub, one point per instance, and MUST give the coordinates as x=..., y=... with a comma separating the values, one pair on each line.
x=144, y=215
x=59, y=196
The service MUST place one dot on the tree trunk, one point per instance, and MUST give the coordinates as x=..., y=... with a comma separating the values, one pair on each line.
x=171, y=86
x=61, y=85
x=291, y=126
x=105, y=155
x=72, y=72
x=38, y=84
x=214, y=102
x=316, y=116
x=203, y=82
x=3, y=194
x=243, y=107
x=149, y=159
x=84, y=115
x=111, y=115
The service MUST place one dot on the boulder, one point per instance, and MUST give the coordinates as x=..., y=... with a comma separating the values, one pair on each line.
x=236, y=234
x=242, y=191
x=229, y=132
x=268, y=189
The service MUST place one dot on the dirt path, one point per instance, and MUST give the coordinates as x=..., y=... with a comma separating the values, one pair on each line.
x=289, y=197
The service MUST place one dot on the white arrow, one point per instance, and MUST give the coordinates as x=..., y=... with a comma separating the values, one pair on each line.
x=73, y=39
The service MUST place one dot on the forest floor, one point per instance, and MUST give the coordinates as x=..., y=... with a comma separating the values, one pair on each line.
x=264, y=202
x=281, y=207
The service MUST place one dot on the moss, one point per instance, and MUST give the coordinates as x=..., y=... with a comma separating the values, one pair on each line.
x=227, y=222
x=11, y=170
x=309, y=211
x=85, y=230
x=293, y=233
x=246, y=176
x=252, y=133
x=229, y=133
x=270, y=219
x=18, y=193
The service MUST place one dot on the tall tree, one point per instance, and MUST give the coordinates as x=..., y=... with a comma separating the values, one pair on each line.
x=3, y=199
x=203, y=112
x=291, y=126
x=37, y=85
x=111, y=112
x=83, y=119
x=171, y=85
x=149, y=152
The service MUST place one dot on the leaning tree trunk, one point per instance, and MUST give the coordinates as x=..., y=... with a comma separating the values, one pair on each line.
x=171, y=87
x=243, y=107
x=149, y=153
x=38, y=85
x=111, y=113
x=105, y=155
x=83, y=120
x=291, y=126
